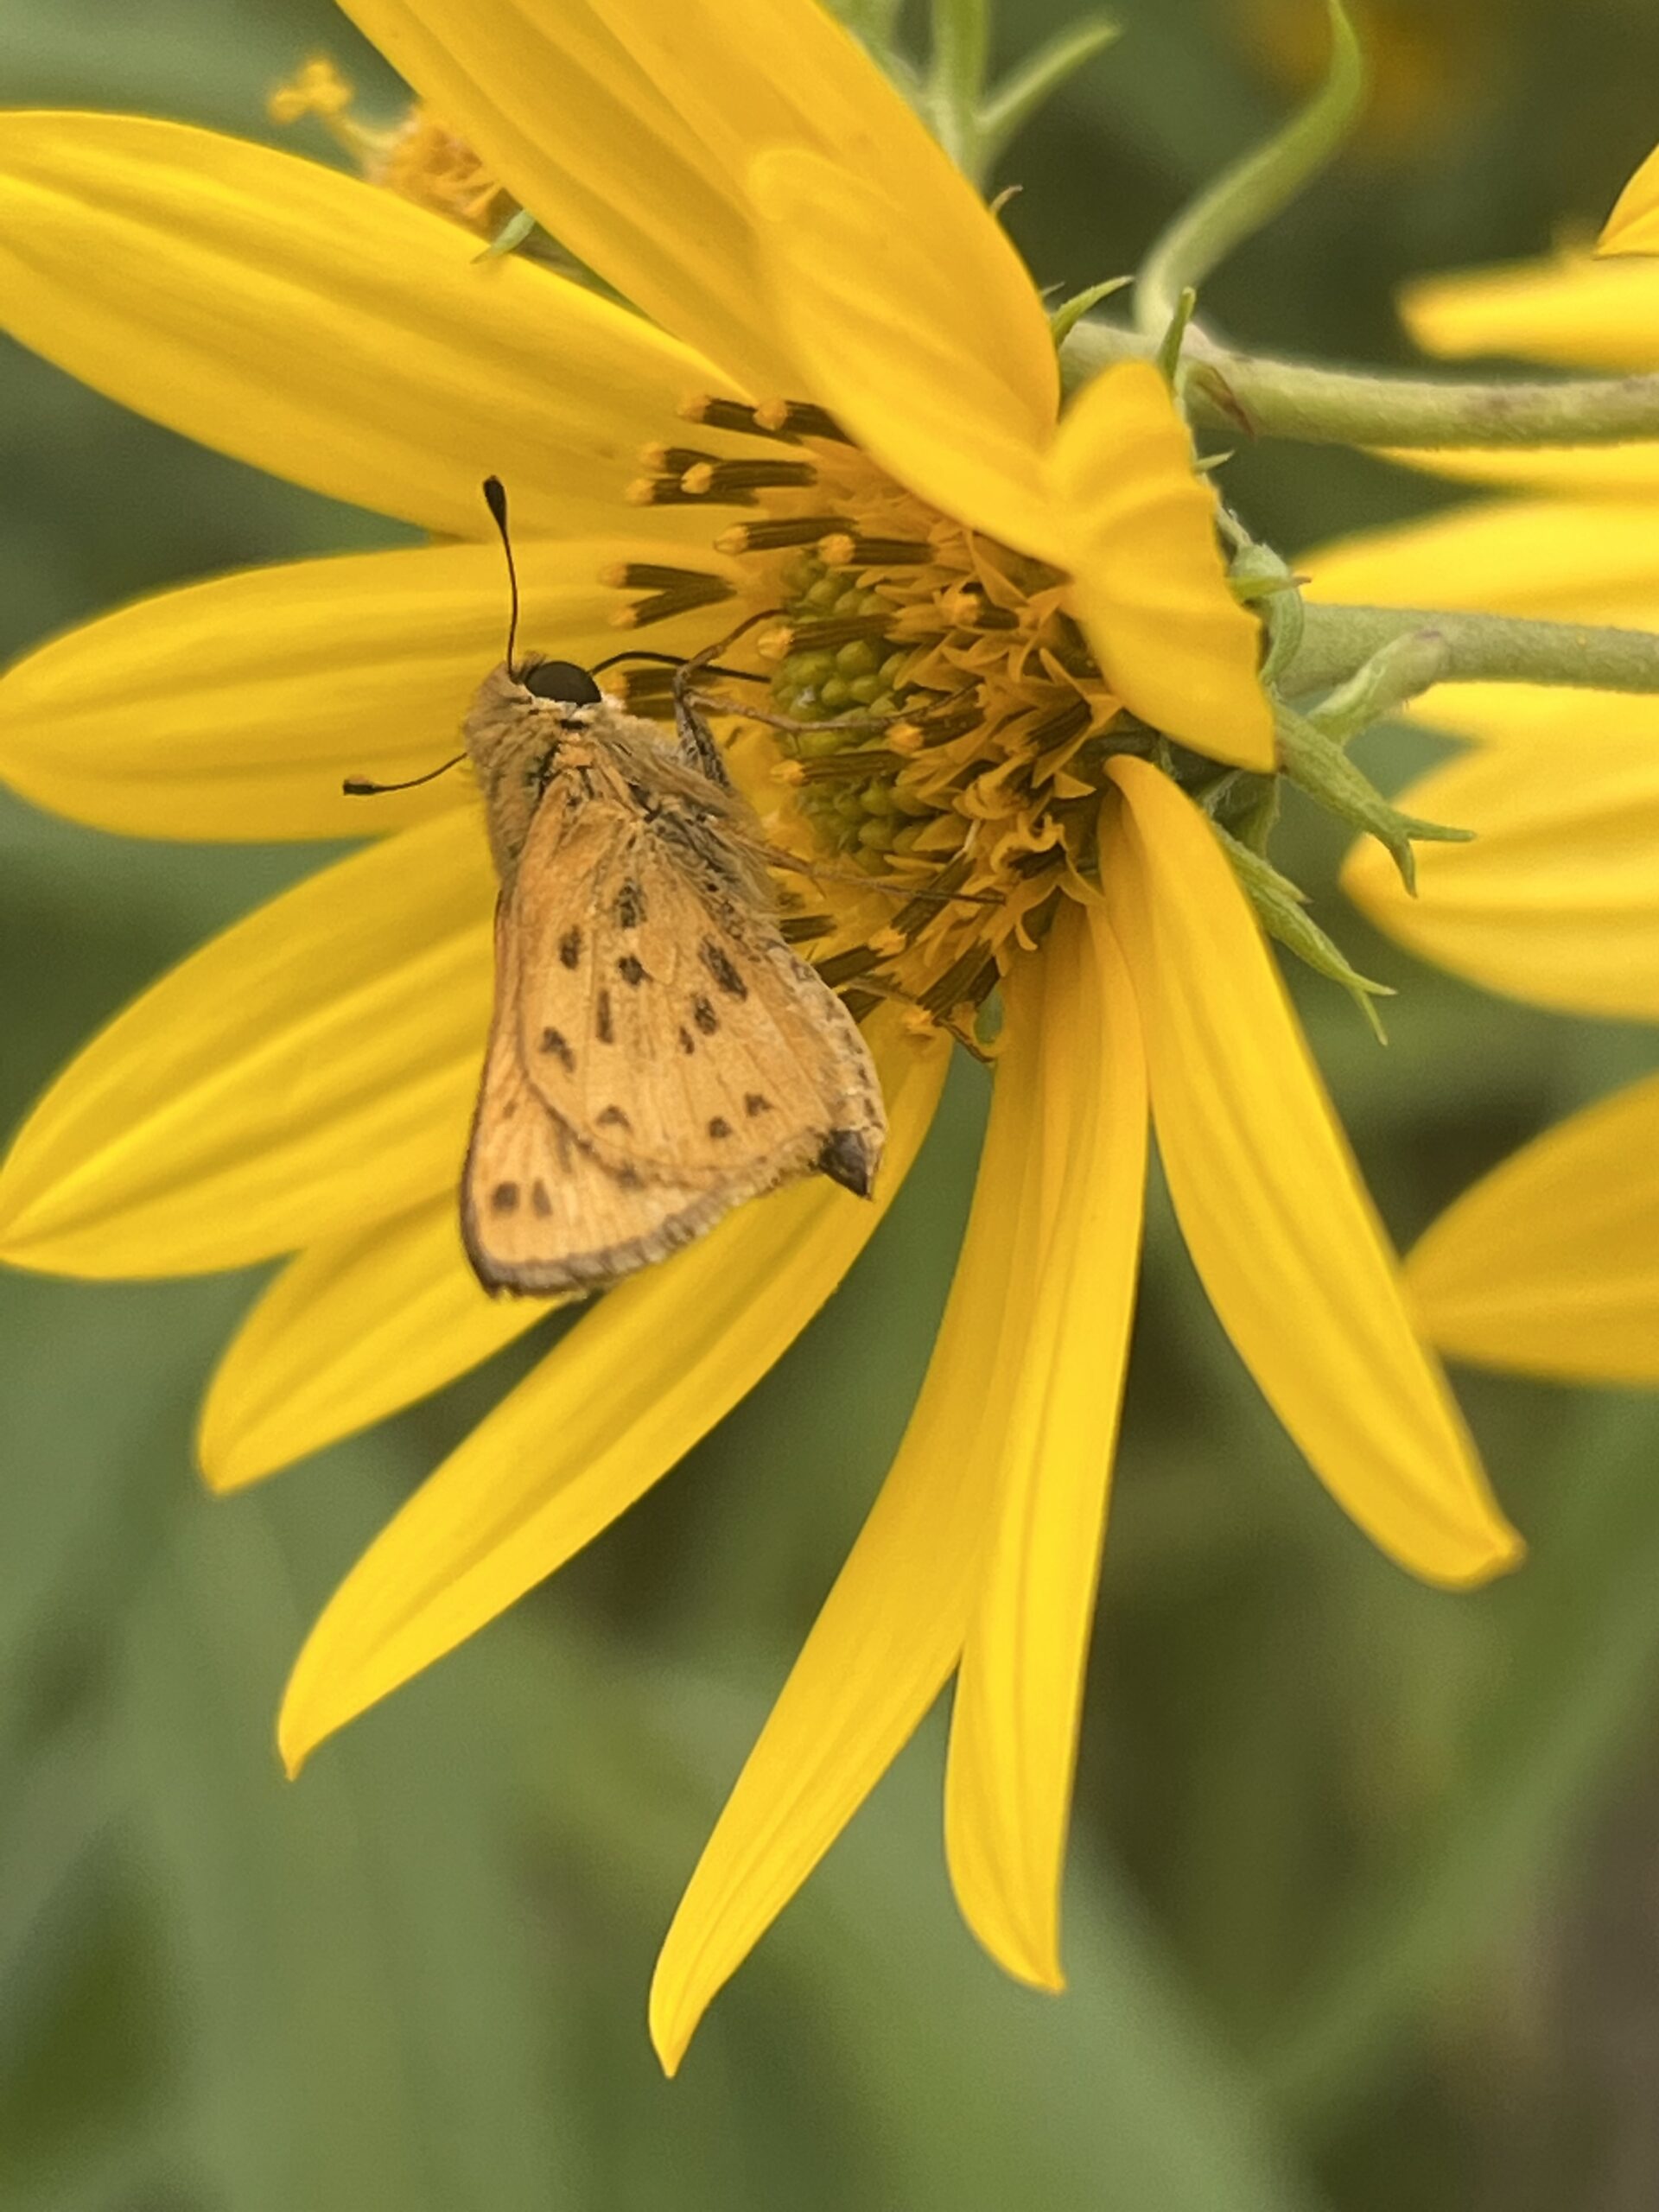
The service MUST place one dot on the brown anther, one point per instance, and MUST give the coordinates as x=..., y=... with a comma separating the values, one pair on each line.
x=822, y=637
x=851, y=552
x=727, y=479
x=725, y=415
x=799, y=418
x=665, y=492
x=842, y=967
x=1060, y=728
x=652, y=575
x=672, y=461
x=884, y=943
x=695, y=591
x=773, y=536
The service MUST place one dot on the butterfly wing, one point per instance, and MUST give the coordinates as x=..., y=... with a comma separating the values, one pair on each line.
x=665, y=1022
x=538, y=1212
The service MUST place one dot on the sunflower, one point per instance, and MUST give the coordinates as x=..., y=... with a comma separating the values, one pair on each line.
x=1550, y=1264
x=834, y=396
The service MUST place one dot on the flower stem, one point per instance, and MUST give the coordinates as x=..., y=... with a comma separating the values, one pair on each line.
x=1338, y=641
x=1276, y=398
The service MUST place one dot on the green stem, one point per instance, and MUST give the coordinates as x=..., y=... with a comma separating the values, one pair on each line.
x=1007, y=109
x=1338, y=641
x=1275, y=398
x=961, y=56
x=1247, y=197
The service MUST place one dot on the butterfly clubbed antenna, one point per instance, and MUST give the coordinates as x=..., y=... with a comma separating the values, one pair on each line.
x=495, y=499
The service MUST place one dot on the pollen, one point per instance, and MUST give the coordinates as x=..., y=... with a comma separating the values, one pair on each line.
x=927, y=729
x=415, y=156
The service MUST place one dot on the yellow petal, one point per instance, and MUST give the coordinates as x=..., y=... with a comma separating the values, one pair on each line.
x=1617, y=472
x=324, y=330
x=892, y=1627
x=1570, y=309
x=619, y=1403
x=1279, y=1225
x=1563, y=561
x=357, y=1327
x=1013, y=1732
x=1633, y=227
x=1557, y=900
x=1501, y=714
x=1149, y=582
x=310, y=1070
x=659, y=112
x=234, y=709
x=1551, y=1264
x=928, y=343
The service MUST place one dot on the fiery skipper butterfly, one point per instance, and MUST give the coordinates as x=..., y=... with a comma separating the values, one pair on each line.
x=657, y=1054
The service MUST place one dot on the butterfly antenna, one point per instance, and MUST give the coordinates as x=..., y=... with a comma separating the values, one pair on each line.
x=495, y=499
x=360, y=787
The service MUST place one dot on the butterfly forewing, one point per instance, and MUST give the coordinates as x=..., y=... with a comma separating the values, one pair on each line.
x=664, y=1021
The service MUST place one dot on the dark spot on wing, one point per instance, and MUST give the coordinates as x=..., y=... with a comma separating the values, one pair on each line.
x=688, y=1042
x=570, y=948
x=553, y=1040
x=754, y=1104
x=631, y=969
x=720, y=1127
x=539, y=1199
x=704, y=1015
x=718, y=961
x=846, y=1159
x=505, y=1197
x=613, y=1118
x=630, y=905
x=602, y=1028
x=628, y=1176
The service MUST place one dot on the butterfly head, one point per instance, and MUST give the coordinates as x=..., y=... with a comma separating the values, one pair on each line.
x=561, y=684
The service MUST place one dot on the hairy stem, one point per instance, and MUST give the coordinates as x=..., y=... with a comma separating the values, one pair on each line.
x=1276, y=398
x=1338, y=641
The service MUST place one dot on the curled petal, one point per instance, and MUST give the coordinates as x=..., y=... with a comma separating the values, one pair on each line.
x=1550, y=1265
x=1013, y=1732
x=928, y=343
x=618, y=1401
x=1633, y=227
x=308, y=1071
x=1140, y=535
x=1279, y=1225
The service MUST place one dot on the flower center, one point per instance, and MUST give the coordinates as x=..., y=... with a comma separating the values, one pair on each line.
x=932, y=724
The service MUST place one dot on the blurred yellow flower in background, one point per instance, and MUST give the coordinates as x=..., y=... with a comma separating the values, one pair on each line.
x=1550, y=1264
x=875, y=399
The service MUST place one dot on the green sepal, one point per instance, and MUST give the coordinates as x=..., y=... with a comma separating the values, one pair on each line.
x=1010, y=105
x=1316, y=764
x=1262, y=579
x=1282, y=909
x=510, y=236
x=1168, y=356
x=1063, y=319
x=1395, y=673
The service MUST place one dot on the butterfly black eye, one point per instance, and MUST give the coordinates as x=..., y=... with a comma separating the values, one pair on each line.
x=562, y=680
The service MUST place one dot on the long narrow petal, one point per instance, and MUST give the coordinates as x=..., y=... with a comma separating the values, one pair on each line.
x=1527, y=714
x=918, y=339
x=1557, y=900
x=1551, y=1264
x=1564, y=561
x=1618, y=473
x=1583, y=313
x=893, y=1626
x=357, y=1327
x=234, y=709
x=324, y=330
x=618, y=1403
x=1279, y=1225
x=1013, y=1732
x=1633, y=227
x=1140, y=532
x=308, y=1071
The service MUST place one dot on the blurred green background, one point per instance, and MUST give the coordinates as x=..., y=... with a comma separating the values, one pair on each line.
x=1364, y=1899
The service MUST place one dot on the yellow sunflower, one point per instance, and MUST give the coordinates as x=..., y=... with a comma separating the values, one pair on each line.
x=1550, y=1264
x=856, y=420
